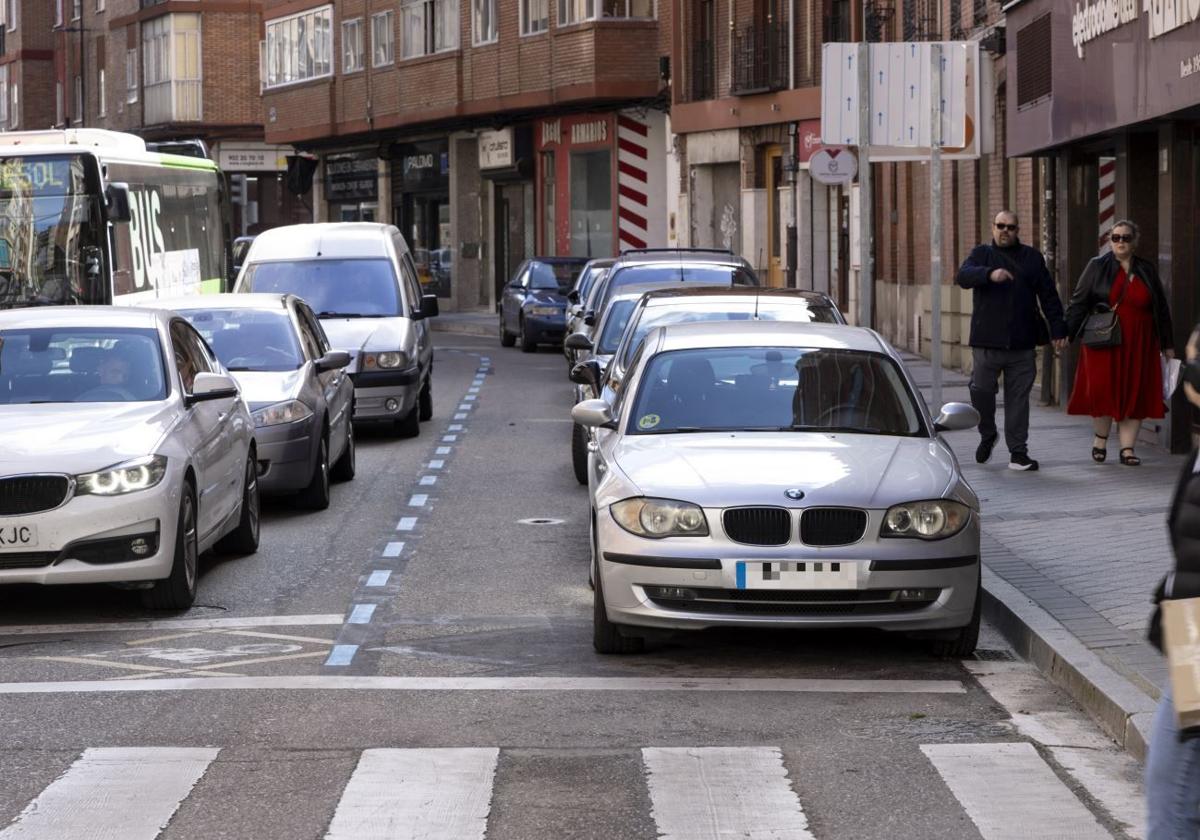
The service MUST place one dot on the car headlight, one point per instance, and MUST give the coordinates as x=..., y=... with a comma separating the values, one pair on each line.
x=388, y=360
x=545, y=311
x=280, y=413
x=658, y=518
x=932, y=520
x=129, y=477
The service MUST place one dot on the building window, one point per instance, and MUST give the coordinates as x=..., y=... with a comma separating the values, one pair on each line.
x=574, y=11
x=300, y=47
x=383, y=40
x=486, y=26
x=9, y=10
x=14, y=110
x=4, y=96
x=428, y=26
x=76, y=9
x=171, y=50
x=591, y=204
x=77, y=110
x=549, y=216
x=131, y=76
x=535, y=16
x=102, y=98
x=99, y=5
x=59, y=117
x=352, y=45
x=58, y=12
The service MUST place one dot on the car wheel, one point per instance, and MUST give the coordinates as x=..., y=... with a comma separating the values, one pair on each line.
x=963, y=643
x=178, y=590
x=526, y=345
x=507, y=339
x=425, y=400
x=243, y=539
x=316, y=495
x=607, y=636
x=410, y=426
x=579, y=452
x=344, y=468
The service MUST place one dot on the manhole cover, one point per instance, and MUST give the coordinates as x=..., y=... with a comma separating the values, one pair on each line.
x=995, y=656
x=540, y=520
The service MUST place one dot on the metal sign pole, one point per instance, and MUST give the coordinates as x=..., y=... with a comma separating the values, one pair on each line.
x=935, y=222
x=866, y=202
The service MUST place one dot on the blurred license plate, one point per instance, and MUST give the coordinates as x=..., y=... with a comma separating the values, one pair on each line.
x=15, y=537
x=796, y=574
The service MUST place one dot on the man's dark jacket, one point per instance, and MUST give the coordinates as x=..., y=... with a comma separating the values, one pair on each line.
x=1005, y=314
x=1095, y=286
x=1183, y=525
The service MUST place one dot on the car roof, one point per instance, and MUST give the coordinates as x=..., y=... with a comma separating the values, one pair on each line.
x=682, y=293
x=636, y=290
x=694, y=256
x=328, y=240
x=767, y=334
x=254, y=300
x=128, y=317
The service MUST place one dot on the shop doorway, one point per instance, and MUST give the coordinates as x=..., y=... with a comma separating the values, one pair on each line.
x=424, y=218
x=512, y=217
x=775, y=182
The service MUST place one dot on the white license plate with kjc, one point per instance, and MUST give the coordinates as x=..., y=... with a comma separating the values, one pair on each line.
x=17, y=537
x=798, y=574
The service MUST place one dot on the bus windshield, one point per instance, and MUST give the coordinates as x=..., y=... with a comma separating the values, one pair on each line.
x=49, y=233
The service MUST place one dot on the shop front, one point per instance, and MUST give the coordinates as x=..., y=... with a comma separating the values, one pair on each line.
x=421, y=209
x=352, y=187
x=257, y=179
x=506, y=165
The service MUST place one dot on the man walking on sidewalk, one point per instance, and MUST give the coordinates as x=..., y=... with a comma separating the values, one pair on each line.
x=1008, y=280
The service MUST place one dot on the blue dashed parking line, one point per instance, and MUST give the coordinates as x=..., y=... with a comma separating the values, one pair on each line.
x=379, y=577
x=361, y=614
x=393, y=549
x=341, y=655
x=436, y=464
x=406, y=523
x=418, y=500
x=428, y=479
x=443, y=450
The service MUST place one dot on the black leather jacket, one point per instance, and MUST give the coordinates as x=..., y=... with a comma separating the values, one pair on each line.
x=1095, y=285
x=1183, y=524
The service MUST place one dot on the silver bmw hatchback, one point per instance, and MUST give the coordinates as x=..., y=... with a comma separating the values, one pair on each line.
x=777, y=474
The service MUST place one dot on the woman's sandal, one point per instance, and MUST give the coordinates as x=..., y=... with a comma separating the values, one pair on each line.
x=1098, y=454
x=1130, y=460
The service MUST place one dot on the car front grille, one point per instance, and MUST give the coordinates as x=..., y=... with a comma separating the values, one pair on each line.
x=758, y=525
x=27, y=559
x=832, y=526
x=21, y=494
x=785, y=602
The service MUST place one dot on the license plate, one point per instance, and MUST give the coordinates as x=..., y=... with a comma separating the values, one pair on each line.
x=14, y=537
x=798, y=574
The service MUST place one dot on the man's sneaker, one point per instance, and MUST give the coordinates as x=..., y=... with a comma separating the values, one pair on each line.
x=1022, y=462
x=983, y=452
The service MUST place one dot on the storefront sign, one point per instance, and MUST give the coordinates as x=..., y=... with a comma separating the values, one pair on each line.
x=496, y=149
x=809, y=139
x=833, y=167
x=351, y=177
x=423, y=166
x=590, y=132
x=1091, y=20
x=253, y=158
x=551, y=132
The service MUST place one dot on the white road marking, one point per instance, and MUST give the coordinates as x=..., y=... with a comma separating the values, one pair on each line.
x=713, y=793
x=418, y=500
x=465, y=407
x=436, y=464
x=449, y=438
x=454, y=427
x=469, y=398
x=462, y=416
x=417, y=794
x=379, y=577
x=113, y=794
x=406, y=523
x=393, y=549
x=341, y=655
x=474, y=390
x=1010, y=793
x=312, y=639
x=361, y=614
x=321, y=683
x=443, y=450
x=174, y=624
x=428, y=479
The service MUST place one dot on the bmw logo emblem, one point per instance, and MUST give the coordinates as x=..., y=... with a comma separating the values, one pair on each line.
x=795, y=494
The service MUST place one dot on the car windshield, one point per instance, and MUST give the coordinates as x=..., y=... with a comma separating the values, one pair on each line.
x=615, y=320
x=773, y=389
x=558, y=277
x=668, y=273
x=333, y=288
x=587, y=280
x=249, y=339
x=80, y=365
x=798, y=311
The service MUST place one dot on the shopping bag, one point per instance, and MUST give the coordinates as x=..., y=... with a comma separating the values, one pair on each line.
x=1181, y=638
x=1170, y=376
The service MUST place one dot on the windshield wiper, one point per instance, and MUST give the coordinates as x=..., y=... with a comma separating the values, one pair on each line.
x=346, y=315
x=856, y=430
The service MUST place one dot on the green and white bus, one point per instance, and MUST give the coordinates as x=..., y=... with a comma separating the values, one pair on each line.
x=89, y=216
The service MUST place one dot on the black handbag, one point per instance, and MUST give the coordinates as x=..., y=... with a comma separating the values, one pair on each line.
x=1101, y=328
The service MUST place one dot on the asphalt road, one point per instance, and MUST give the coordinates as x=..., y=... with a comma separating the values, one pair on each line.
x=416, y=662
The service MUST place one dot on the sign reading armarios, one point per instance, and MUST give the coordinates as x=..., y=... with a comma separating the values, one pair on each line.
x=1091, y=20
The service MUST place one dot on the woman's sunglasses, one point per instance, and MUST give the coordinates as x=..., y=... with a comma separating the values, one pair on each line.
x=1002, y=226
x=1121, y=237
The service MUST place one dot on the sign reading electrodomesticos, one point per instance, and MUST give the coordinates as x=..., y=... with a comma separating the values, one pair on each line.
x=1091, y=20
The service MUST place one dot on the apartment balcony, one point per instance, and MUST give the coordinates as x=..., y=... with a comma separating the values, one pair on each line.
x=703, y=71
x=760, y=62
x=167, y=102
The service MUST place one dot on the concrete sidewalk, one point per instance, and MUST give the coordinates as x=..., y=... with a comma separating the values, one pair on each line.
x=1072, y=554
x=480, y=323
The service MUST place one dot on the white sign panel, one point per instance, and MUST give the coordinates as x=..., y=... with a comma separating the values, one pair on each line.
x=833, y=166
x=253, y=158
x=496, y=149
x=899, y=106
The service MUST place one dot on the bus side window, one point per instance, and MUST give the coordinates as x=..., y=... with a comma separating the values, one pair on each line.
x=122, y=259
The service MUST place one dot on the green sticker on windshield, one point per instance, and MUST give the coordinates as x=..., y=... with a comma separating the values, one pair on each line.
x=649, y=421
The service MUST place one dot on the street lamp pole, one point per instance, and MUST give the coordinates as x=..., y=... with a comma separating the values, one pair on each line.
x=82, y=75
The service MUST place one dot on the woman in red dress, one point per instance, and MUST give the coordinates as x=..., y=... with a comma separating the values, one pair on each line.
x=1122, y=383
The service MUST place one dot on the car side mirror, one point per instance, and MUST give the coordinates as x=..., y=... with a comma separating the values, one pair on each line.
x=590, y=319
x=116, y=202
x=587, y=373
x=429, y=306
x=578, y=341
x=212, y=386
x=594, y=414
x=332, y=360
x=956, y=417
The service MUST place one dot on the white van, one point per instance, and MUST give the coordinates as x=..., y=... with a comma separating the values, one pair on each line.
x=360, y=279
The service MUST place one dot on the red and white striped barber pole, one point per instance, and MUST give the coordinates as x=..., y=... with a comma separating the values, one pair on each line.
x=633, y=181
x=1108, y=200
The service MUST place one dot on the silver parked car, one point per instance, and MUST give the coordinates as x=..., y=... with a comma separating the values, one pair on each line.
x=778, y=475
x=127, y=452
x=295, y=385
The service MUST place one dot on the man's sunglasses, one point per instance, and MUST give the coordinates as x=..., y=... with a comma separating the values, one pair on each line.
x=1002, y=226
x=1121, y=237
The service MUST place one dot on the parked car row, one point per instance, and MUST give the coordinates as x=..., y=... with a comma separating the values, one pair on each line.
x=138, y=438
x=753, y=461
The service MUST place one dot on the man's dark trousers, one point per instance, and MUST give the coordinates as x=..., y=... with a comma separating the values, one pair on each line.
x=1019, y=368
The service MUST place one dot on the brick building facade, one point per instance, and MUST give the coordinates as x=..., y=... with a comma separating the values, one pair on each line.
x=26, y=64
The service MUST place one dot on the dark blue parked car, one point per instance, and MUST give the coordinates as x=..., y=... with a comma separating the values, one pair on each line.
x=533, y=307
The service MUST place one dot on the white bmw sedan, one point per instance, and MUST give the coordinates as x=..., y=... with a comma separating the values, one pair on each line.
x=777, y=474
x=127, y=452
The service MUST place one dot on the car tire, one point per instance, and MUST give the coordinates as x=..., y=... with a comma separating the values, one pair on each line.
x=579, y=452
x=345, y=467
x=963, y=643
x=425, y=400
x=316, y=495
x=243, y=539
x=507, y=339
x=607, y=637
x=177, y=591
x=526, y=345
x=410, y=425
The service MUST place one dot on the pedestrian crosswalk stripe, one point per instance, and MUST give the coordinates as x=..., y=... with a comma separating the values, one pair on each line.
x=1010, y=793
x=405, y=794
x=712, y=793
x=113, y=794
